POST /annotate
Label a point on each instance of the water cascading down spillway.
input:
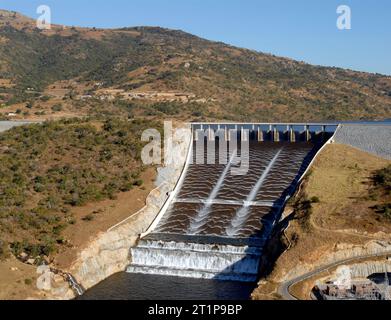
(218, 223)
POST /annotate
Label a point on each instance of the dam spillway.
(217, 224)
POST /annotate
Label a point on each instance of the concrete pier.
(308, 135)
(244, 134)
(211, 135)
(260, 135)
(228, 135)
(276, 135)
(273, 132)
(292, 135)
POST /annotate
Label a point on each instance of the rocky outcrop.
(365, 269)
(340, 252)
(53, 284)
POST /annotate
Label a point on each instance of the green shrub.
(88, 217)
(167, 108)
(59, 165)
(384, 210)
(30, 105)
(57, 108)
(138, 183)
(383, 178)
(45, 98)
(126, 187)
(315, 200)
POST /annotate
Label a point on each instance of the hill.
(49, 170)
(148, 71)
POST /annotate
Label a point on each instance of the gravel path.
(375, 139)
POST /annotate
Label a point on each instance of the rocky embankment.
(340, 252)
(109, 252)
(365, 269)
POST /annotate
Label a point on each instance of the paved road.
(283, 290)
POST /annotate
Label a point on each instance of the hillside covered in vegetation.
(48, 169)
(215, 80)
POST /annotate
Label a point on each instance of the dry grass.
(5, 83)
(341, 179)
(13, 274)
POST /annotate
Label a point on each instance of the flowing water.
(217, 225)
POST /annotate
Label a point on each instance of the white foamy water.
(226, 202)
(194, 260)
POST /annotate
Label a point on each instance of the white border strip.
(173, 193)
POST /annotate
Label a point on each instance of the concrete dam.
(218, 219)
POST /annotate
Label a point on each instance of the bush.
(167, 108)
(57, 108)
(88, 217)
(45, 98)
(383, 178)
(30, 105)
(384, 210)
(315, 200)
(127, 187)
(138, 183)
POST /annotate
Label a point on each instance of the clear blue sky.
(301, 29)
